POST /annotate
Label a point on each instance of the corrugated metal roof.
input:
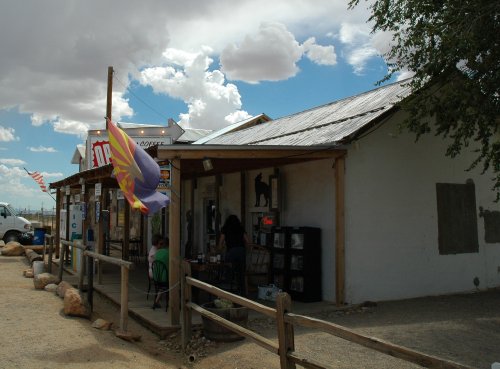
(192, 135)
(328, 124)
(233, 127)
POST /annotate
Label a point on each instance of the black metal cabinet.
(296, 261)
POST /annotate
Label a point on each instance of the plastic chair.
(258, 265)
(160, 279)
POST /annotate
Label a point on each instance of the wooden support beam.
(340, 231)
(126, 233)
(124, 299)
(57, 237)
(175, 242)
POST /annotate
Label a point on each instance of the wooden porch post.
(339, 231)
(175, 242)
(57, 237)
(126, 233)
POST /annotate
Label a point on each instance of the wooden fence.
(89, 262)
(285, 347)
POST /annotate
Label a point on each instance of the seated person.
(162, 255)
(156, 241)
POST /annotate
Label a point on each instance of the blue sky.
(203, 64)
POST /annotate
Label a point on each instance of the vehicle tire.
(11, 236)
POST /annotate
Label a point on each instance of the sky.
(205, 64)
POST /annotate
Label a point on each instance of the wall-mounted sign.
(119, 195)
(165, 177)
(98, 189)
(97, 211)
(77, 198)
(100, 152)
(68, 190)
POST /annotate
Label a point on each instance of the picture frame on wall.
(274, 192)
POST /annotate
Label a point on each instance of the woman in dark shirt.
(234, 237)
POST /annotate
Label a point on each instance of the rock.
(2, 244)
(127, 336)
(62, 288)
(74, 305)
(51, 287)
(13, 248)
(28, 273)
(43, 279)
(102, 324)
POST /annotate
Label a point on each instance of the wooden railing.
(89, 261)
(285, 347)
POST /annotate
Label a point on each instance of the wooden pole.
(339, 230)
(51, 248)
(186, 295)
(124, 299)
(90, 282)
(68, 226)
(285, 331)
(126, 233)
(175, 241)
(57, 237)
(109, 97)
(81, 273)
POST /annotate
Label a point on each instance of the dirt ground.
(36, 334)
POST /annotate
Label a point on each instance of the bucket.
(216, 332)
(38, 267)
(39, 236)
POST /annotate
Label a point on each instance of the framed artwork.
(274, 193)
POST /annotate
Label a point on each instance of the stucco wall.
(391, 219)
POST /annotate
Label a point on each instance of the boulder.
(75, 305)
(102, 324)
(2, 244)
(51, 287)
(43, 279)
(13, 248)
(28, 273)
(62, 288)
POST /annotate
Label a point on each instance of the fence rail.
(286, 321)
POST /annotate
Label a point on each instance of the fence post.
(51, 246)
(61, 262)
(90, 282)
(81, 273)
(124, 299)
(185, 310)
(285, 330)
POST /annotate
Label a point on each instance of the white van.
(12, 225)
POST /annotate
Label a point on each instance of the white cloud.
(8, 134)
(358, 47)
(42, 149)
(12, 162)
(212, 103)
(270, 55)
(322, 55)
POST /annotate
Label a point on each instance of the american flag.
(38, 179)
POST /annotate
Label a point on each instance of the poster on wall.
(98, 188)
(165, 177)
(97, 211)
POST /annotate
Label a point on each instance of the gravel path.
(36, 334)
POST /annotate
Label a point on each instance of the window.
(457, 220)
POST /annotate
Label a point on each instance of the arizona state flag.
(137, 173)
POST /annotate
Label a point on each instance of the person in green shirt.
(162, 255)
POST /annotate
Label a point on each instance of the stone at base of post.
(127, 335)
